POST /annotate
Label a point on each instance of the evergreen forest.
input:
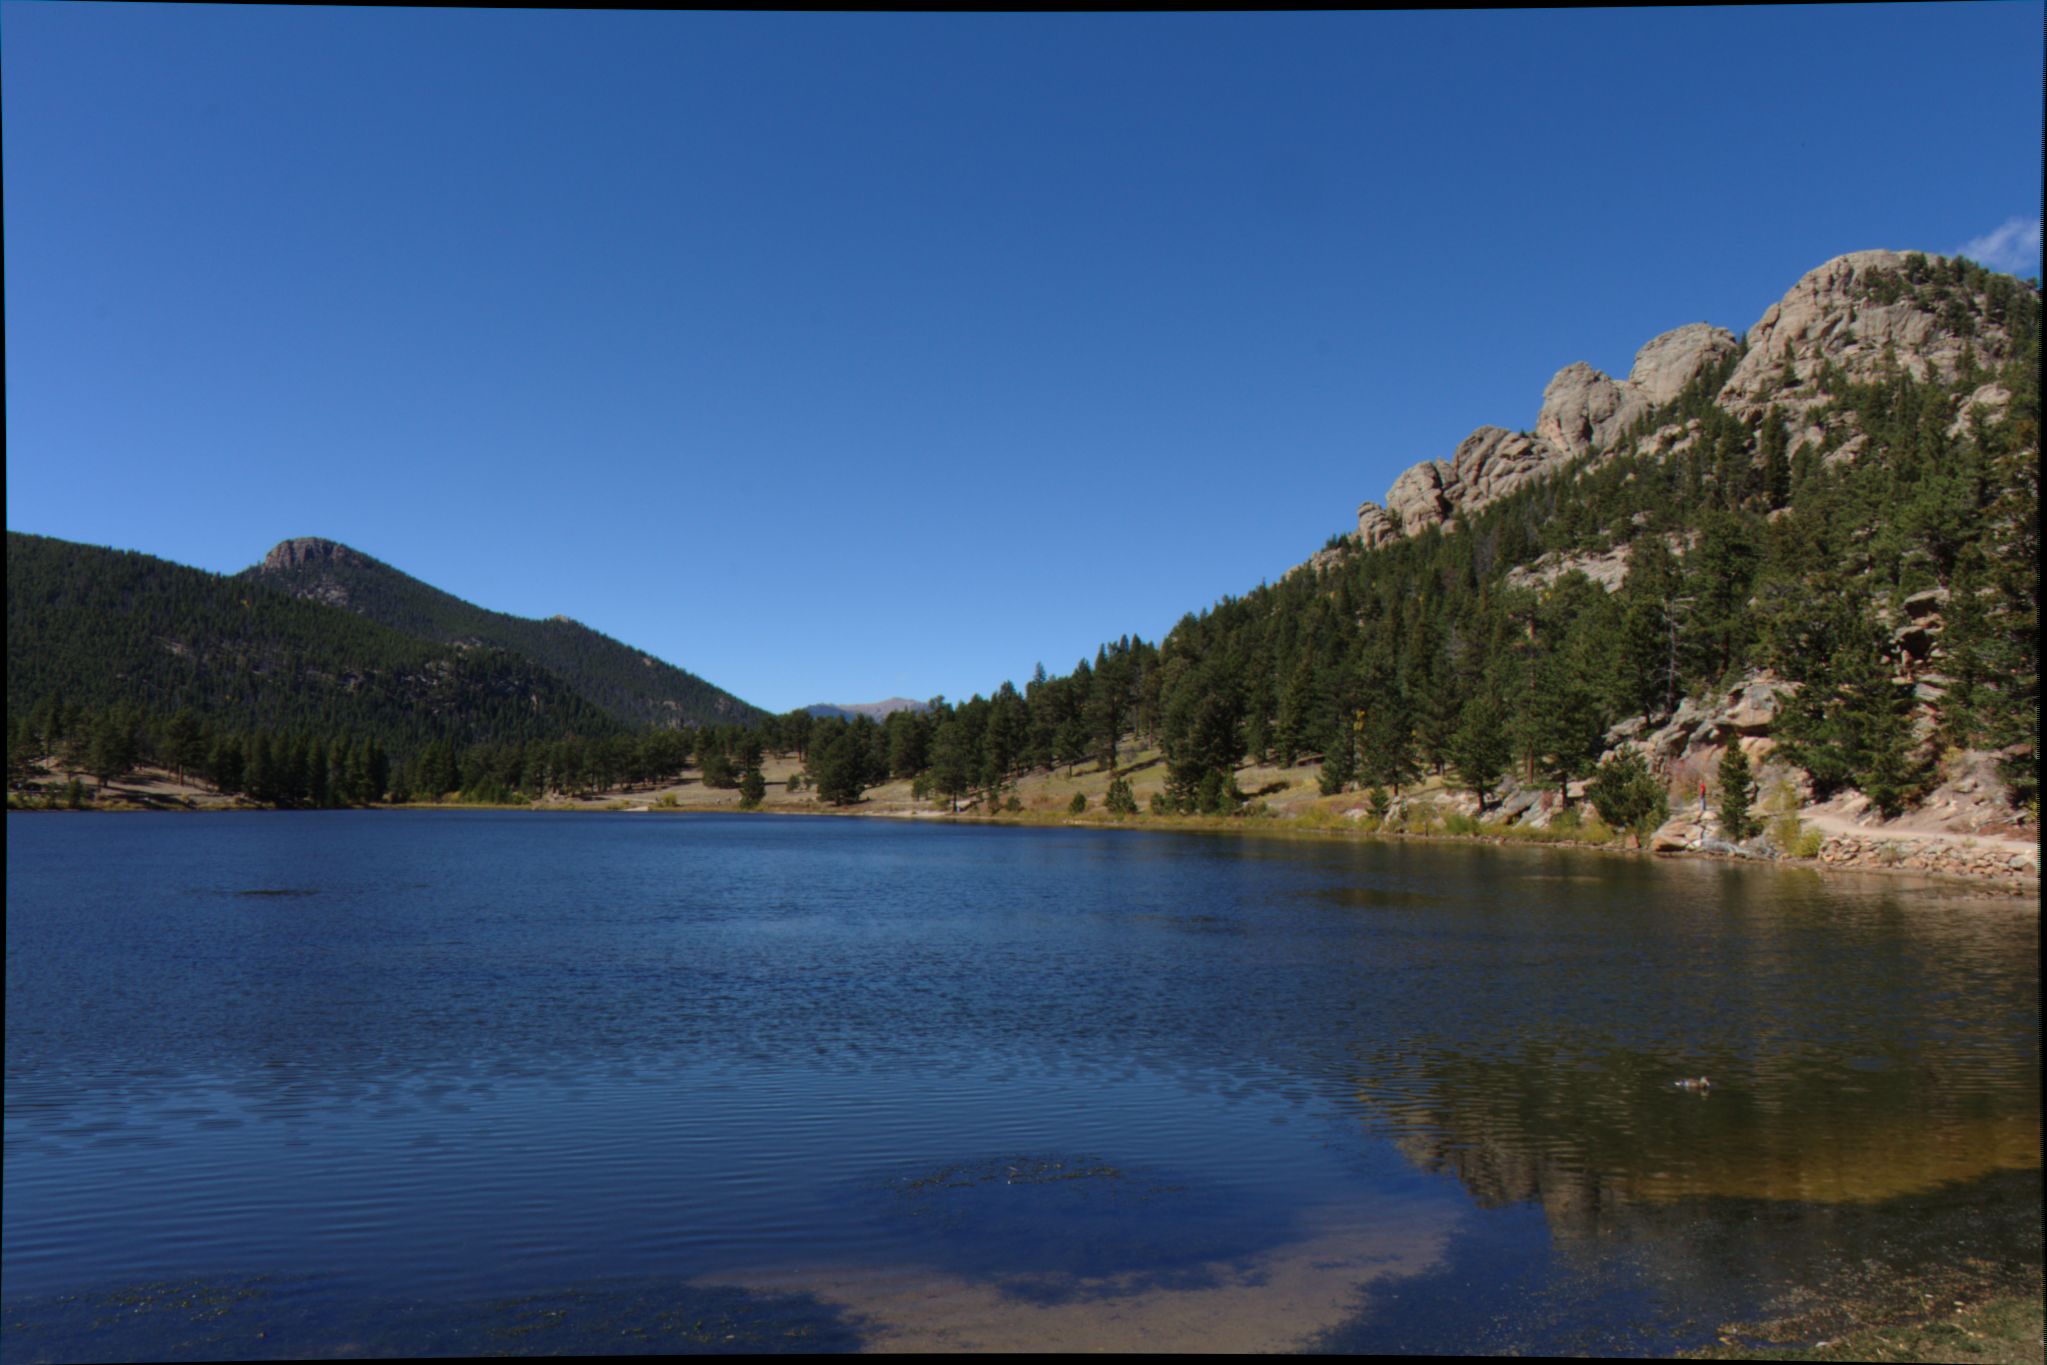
(1748, 553)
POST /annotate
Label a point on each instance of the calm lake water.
(465, 1082)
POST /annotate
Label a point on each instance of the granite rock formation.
(1583, 412)
(1857, 313)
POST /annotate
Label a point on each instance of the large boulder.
(1983, 407)
(1667, 363)
(1375, 526)
(1419, 498)
(1677, 833)
(1584, 410)
(1752, 707)
(1491, 463)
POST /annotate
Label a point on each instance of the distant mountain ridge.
(629, 684)
(873, 710)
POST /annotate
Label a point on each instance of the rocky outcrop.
(1491, 463)
(1986, 405)
(309, 552)
(315, 563)
(1609, 570)
(1852, 312)
(1583, 412)
(1742, 714)
(1675, 359)
(1325, 558)
(1420, 498)
(1376, 526)
(1857, 313)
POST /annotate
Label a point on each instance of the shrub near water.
(1319, 817)
(1627, 797)
(1421, 819)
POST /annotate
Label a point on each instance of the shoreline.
(2010, 883)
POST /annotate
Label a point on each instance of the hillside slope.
(1818, 543)
(1797, 568)
(98, 628)
(633, 687)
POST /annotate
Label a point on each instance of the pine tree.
(23, 753)
(1722, 573)
(1481, 749)
(184, 742)
(1737, 792)
(1120, 800)
(1339, 765)
(1879, 712)
(949, 759)
(1627, 797)
(113, 746)
(225, 765)
(1297, 701)
(1647, 675)
(1435, 720)
(838, 767)
(1776, 473)
(1386, 742)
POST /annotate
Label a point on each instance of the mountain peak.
(307, 551)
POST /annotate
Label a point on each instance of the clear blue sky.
(833, 357)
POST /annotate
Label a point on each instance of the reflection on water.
(904, 1086)
(1280, 1298)
(1864, 1043)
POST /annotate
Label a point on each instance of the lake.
(381, 1083)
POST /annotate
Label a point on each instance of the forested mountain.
(96, 628)
(1807, 556)
(282, 683)
(634, 687)
(1815, 548)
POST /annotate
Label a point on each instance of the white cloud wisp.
(2014, 246)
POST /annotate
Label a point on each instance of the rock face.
(1583, 413)
(1846, 314)
(1491, 463)
(1743, 715)
(309, 551)
(1584, 410)
(1858, 313)
(322, 558)
(1420, 497)
(1675, 359)
(1985, 405)
(1376, 527)
(1609, 570)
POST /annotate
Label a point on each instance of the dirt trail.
(1833, 822)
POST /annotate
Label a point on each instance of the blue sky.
(840, 356)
